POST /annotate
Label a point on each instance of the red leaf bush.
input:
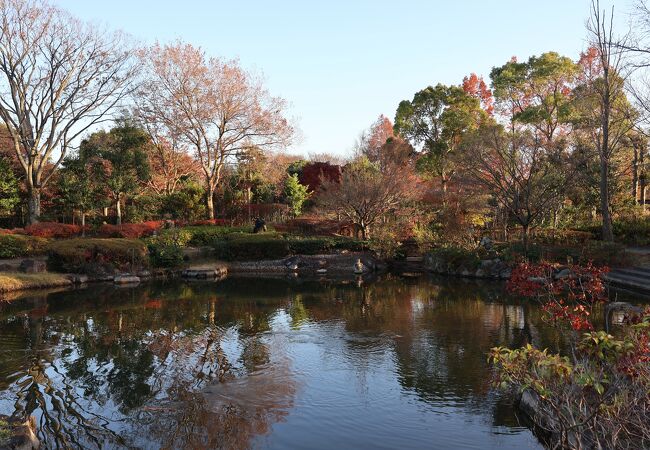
(52, 230)
(568, 299)
(130, 230)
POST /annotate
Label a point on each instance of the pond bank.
(336, 264)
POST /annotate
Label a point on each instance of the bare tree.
(212, 104)
(58, 77)
(364, 194)
(608, 117)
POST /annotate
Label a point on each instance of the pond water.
(267, 363)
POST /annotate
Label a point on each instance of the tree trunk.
(635, 175)
(118, 210)
(607, 234)
(524, 239)
(83, 223)
(34, 204)
(209, 202)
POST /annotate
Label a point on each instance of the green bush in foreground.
(17, 246)
(97, 256)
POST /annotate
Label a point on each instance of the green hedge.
(18, 246)
(271, 245)
(209, 235)
(457, 257)
(97, 256)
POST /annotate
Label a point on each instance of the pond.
(267, 363)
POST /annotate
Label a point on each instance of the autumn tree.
(58, 77)
(312, 174)
(476, 87)
(170, 162)
(371, 140)
(518, 170)
(364, 194)
(214, 105)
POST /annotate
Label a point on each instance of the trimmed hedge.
(18, 246)
(240, 246)
(97, 256)
(209, 235)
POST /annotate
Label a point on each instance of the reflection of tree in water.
(200, 366)
(137, 362)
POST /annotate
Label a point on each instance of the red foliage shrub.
(52, 230)
(312, 174)
(5, 231)
(567, 299)
(130, 230)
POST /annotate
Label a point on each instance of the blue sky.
(342, 63)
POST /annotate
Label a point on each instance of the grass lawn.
(14, 281)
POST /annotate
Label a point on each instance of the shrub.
(385, 243)
(252, 247)
(209, 235)
(166, 249)
(597, 395)
(457, 257)
(130, 230)
(17, 246)
(97, 256)
(52, 230)
(311, 245)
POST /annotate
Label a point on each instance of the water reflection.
(265, 363)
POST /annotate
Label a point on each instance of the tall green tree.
(295, 194)
(537, 93)
(78, 190)
(435, 120)
(119, 159)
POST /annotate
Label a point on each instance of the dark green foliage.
(187, 203)
(97, 256)
(9, 193)
(18, 246)
(457, 257)
(244, 247)
(166, 249)
(208, 235)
